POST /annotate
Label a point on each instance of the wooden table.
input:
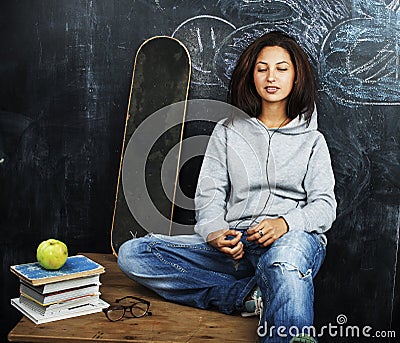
(169, 323)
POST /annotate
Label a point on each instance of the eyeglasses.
(138, 308)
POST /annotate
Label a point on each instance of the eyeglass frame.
(126, 307)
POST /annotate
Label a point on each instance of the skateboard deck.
(153, 128)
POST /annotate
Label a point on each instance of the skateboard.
(153, 133)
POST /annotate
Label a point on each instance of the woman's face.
(274, 75)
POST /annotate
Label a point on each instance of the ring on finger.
(260, 232)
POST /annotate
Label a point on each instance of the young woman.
(264, 198)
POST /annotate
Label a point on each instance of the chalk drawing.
(383, 9)
(360, 63)
(215, 43)
(394, 5)
(202, 35)
(253, 11)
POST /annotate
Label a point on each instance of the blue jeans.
(187, 270)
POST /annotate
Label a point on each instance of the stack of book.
(49, 295)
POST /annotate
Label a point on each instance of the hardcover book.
(60, 296)
(75, 267)
(74, 311)
(58, 308)
(62, 285)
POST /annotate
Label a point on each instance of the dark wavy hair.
(242, 91)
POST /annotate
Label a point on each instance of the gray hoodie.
(251, 172)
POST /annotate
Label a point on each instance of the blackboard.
(65, 78)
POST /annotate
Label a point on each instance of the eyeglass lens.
(139, 309)
(115, 313)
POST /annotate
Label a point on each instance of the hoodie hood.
(297, 125)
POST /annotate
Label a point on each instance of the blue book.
(75, 267)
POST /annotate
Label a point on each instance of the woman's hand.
(267, 231)
(228, 242)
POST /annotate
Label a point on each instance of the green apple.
(52, 254)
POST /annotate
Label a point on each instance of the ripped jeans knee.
(288, 267)
(299, 251)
